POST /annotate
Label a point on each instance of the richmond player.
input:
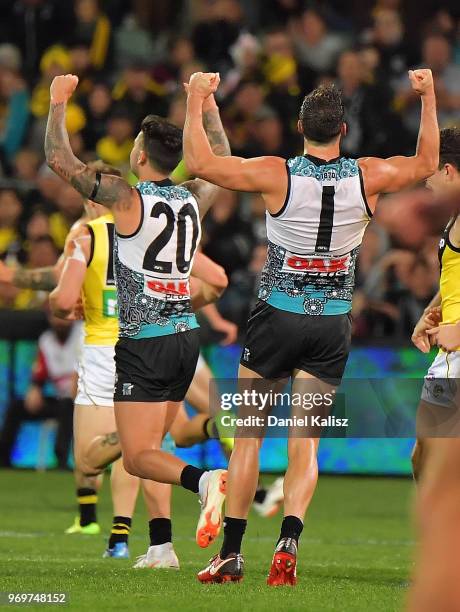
(439, 390)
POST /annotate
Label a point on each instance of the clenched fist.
(422, 81)
(63, 87)
(203, 83)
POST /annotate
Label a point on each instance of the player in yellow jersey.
(439, 390)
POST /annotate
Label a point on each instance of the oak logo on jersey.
(330, 266)
(168, 290)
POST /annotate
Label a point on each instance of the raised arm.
(111, 191)
(205, 191)
(266, 175)
(396, 173)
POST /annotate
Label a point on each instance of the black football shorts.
(279, 342)
(156, 369)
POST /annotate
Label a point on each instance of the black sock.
(121, 527)
(291, 527)
(234, 529)
(190, 477)
(160, 531)
(261, 494)
(87, 499)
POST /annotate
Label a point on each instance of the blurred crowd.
(132, 58)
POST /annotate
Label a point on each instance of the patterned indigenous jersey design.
(99, 291)
(314, 240)
(152, 266)
(449, 259)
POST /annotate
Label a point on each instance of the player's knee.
(132, 464)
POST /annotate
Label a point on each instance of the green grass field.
(355, 551)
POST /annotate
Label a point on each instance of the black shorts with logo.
(278, 342)
(156, 369)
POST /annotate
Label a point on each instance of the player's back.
(153, 264)
(99, 291)
(314, 239)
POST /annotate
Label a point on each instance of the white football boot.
(212, 497)
(273, 499)
(158, 557)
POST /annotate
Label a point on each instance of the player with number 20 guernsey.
(157, 232)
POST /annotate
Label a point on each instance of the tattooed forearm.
(59, 154)
(112, 190)
(40, 279)
(215, 132)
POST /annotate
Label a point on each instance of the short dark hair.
(321, 114)
(449, 149)
(162, 142)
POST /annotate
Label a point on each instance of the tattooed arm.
(38, 279)
(204, 191)
(112, 191)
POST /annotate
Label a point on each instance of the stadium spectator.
(216, 31)
(48, 185)
(55, 364)
(269, 138)
(115, 147)
(282, 76)
(96, 107)
(180, 52)
(177, 110)
(132, 42)
(33, 26)
(367, 111)
(93, 31)
(317, 47)
(139, 94)
(26, 165)
(387, 37)
(15, 116)
(69, 209)
(437, 55)
(38, 224)
(229, 237)
(10, 212)
(245, 53)
(240, 115)
(55, 61)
